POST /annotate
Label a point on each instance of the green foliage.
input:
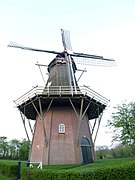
(118, 169)
(123, 151)
(3, 146)
(14, 149)
(5, 177)
(24, 150)
(102, 152)
(123, 122)
(9, 170)
(125, 172)
(120, 151)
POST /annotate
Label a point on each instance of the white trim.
(61, 128)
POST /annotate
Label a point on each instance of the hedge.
(126, 172)
(9, 170)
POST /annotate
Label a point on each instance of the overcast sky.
(97, 27)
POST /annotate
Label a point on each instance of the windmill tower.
(62, 111)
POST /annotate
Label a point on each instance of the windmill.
(62, 110)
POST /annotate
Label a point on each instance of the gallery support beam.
(79, 115)
(23, 120)
(99, 121)
(30, 126)
(41, 116)
(42, 119)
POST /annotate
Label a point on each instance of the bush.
(35, 174)
(8, 170)
(118, 172)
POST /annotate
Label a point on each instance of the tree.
(14, 148)
(14, 145)
(24, 149)
(102, 152)
(3, 146)
(123, 123)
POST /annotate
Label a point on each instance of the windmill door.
(86, 151)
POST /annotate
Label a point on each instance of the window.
(61, 128)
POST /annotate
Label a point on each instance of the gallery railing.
(60, 91)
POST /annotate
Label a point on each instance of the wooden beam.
(79, 116)
(74, 108)
(23, 120)
(94, 126)
(30, 126)
(86, 109)
(80, 119)
(98, 127)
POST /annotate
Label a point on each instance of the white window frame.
(61, 128)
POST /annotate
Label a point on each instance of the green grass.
(61, 167)
(98, 164)
(107, 163)
(14, 162)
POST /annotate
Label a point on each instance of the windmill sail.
(63, 67)
(66, 40)
(94, 62)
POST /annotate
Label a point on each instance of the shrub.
(8, 170)
(118, 172)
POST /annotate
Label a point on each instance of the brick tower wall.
(61, 148)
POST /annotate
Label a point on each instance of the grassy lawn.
(97, 165)
(110, 163)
